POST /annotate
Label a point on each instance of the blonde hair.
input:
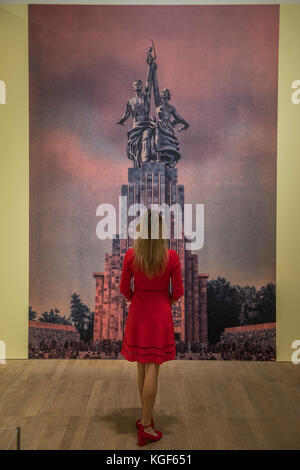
(151, 254)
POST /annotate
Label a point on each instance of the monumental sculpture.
(152, 138)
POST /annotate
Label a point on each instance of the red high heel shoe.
(138, 422)
(143, 435)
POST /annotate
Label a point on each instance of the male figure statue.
(139, 145)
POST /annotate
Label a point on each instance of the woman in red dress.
(149, 332)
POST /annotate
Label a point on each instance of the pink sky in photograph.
(220, 64)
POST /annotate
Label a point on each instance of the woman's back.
(158, 283)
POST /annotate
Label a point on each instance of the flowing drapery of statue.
(152, 138)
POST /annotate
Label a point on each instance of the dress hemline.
(146, 361)
(136, 357)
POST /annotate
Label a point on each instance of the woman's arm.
(155, 85)
(176, 277)
(179, 120)
(125, 284)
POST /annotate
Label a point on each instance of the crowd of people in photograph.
(58, 344)
(249, 345)
(53, 344)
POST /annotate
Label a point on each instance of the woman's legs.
(141, 378)
(149, 392)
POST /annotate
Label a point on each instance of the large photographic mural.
(141, 105)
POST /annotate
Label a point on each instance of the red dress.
(149, 331)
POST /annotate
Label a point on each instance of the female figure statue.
(166, 142)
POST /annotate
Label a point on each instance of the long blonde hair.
(151, 254)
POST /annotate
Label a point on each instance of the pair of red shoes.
(143, 435)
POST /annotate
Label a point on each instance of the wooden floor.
(93, 404)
